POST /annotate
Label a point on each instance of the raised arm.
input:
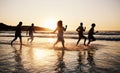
(65, 28)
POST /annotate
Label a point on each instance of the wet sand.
(41, 57)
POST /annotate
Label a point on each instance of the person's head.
(32, 24)
(81, 24)
(93, 25)
(59, 23)
(20, 23)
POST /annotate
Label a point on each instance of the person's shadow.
(19, 68)
(60, 65)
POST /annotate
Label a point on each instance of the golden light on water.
(40, 54)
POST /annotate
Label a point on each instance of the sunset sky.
(46, 13)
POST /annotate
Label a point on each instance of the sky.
(45, 13)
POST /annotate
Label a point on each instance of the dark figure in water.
(18, 33)
(60, 30)
(91, 33)
(61, 67)
(80, 30)
(30, 31)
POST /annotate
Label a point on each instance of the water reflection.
(30, 55)
(91, 61)
(19, 68)
(79, 66)
(60, 62)
(86, 61)
(39, 59)
(90, 57)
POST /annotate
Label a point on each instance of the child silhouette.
(80, 30)
(60, 30)
(91, 33)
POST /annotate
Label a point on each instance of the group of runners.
(60, 29)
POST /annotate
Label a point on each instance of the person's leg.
(13, 40)
(89, 40)
(78, 40)
(55, 43)
(63, 53)
(31, 39)
(63, 43)
(93, 38)
(20, 37)
(28, 39)
(84, 39)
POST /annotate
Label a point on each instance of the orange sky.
(46, 13)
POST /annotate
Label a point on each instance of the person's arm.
(65, 28)
(84, 28)
(95, 32)
(78, 29)
(55, 30)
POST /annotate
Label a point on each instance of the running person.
(80, 30)
(60, 30)
(18, 33)
(30, 31)
(91, 33)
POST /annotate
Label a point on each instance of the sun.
(51, 24)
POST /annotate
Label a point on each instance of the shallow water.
(41, 57)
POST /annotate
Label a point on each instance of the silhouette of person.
(80, 30)
(30, 31)
(60, 30)
(91, 33)
(18, 33)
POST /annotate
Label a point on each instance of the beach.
(60, 36)
(100, 56)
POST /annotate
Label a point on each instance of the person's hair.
(59, 23)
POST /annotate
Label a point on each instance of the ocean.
(101, 35)
(101, 56)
